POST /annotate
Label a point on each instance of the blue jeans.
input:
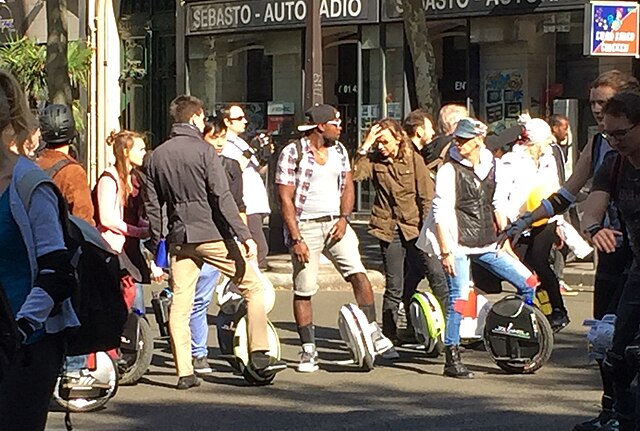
(205, 287)
(500, 264)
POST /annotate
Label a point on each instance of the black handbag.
(9, 338)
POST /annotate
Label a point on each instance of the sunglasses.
(617, 135)
(336, 123)
(240, 118)
(461, 142)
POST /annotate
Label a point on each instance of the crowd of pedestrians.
(445, 203)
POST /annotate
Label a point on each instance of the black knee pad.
(614, 365)
(632, 354)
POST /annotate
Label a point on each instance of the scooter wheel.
(141, 360)
(250, 378)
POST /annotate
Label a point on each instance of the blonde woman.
(528, 174)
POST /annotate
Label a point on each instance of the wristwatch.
(347, 217)
(296, 241)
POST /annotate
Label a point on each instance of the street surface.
(408, 394)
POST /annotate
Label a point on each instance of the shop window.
(394, 71)
(261, 71)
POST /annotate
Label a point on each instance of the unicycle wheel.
(536, 361)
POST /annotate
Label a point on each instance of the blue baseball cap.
(469, 128)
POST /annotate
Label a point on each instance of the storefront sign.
(614, 28)
(217, 17)
(392, 9)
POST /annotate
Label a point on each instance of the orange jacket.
(72, 181)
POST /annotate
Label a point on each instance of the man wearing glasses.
(611, 270)
(317, 196)
(618, 181)
(254, 192)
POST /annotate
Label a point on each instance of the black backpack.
(98, 301)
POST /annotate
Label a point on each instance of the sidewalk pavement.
(577, 275)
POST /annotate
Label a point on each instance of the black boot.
(453, 366)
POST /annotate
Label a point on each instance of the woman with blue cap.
(462, 228)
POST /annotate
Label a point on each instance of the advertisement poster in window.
(614, 28)
(280, 118)
(368, 115)
(503, 98)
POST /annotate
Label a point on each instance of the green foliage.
(79, 62)
(26, 60)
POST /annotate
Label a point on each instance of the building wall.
(29, 17)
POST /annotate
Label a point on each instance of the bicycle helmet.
(57, 125)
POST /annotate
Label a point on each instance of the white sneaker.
(566, 290)
(380, 343)
(308, 359)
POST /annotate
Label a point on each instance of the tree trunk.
(424, 67)
(57, 69)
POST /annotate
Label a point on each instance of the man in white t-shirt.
(317, 196)
(254, 192)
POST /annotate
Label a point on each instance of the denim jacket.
(42, 234)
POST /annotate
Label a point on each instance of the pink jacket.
(112, 226)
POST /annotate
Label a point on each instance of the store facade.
(253, 52)
(500, 57)
(505, 57)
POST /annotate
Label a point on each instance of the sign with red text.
(614, 28)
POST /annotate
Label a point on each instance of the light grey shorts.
(344, 255)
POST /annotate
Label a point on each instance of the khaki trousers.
(186, 261)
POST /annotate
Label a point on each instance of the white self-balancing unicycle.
(231, 325)
(355, 331)
(87, 383)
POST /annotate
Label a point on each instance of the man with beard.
(317, 196)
